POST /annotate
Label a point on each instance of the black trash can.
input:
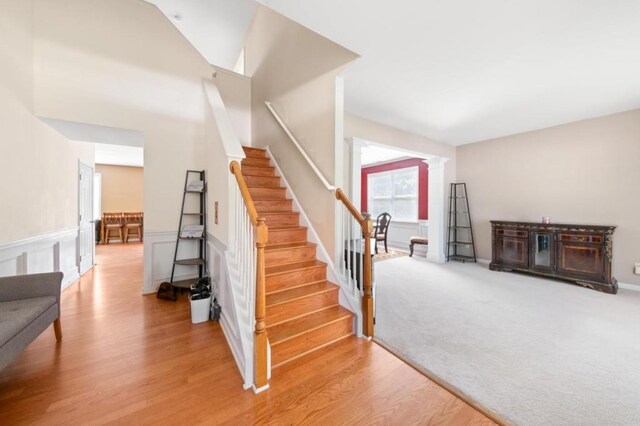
(98, 226)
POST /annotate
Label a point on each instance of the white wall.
(38, 166)
(355, 126)
(235, 93)
(121, 63)
(296, 69)
(586, 172)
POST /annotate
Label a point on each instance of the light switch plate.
(636, 270)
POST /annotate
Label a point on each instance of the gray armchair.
(28, 305)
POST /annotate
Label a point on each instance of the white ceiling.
(119, 155)
(374, 154)
(216, 28)
(455, 71)
(77, 131)
(465, 70)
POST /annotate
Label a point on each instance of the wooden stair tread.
(256, 162)
(290, 246)
(276, 363)
(272, 206)
(288, 330)
(256, 166)
(286, 228)
(252, 186)
(250, 171)
(289, 294)
(281, 213)
(290, 267)
(263, 178)
(254, 152)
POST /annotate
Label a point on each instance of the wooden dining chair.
(133, 223)
(112, 223)
(381, 230)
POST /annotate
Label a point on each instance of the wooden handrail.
(260, 338)
(234, 166)
(341, 196)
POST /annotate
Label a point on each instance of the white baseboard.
(258, 390)
(50, 252)
(627, 286)
(73, 277)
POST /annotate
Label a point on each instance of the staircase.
(303, 312)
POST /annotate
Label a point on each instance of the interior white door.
(86, 240)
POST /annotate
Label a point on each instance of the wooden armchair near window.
(133, 224)
(112, 223)
(380, 231)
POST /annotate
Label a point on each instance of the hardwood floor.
(132, 359)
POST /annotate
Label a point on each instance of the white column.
(338, 176)
(355, 170)
(437, 215)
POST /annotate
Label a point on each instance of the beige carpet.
(535, 351)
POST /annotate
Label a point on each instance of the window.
(395, 192)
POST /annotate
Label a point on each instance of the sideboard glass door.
(542, 249)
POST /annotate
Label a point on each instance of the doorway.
(86, 236)
(419, 214)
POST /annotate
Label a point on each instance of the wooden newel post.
(260, 334)
(367, 299)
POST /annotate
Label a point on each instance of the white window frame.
(370, 196)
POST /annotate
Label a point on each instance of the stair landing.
(303, 312)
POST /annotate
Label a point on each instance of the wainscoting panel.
(11, 266)
(41, 259)
(159, 247)
(401, 232)
(56, 251)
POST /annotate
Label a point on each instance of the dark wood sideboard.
(577, 253)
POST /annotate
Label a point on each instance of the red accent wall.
(423, 182)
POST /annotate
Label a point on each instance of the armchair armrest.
(31, 285)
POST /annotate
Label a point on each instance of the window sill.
(405, 222)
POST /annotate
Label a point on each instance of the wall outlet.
(636, 270)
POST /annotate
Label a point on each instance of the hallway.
(133, 359)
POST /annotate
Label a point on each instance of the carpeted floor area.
(534, 351)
